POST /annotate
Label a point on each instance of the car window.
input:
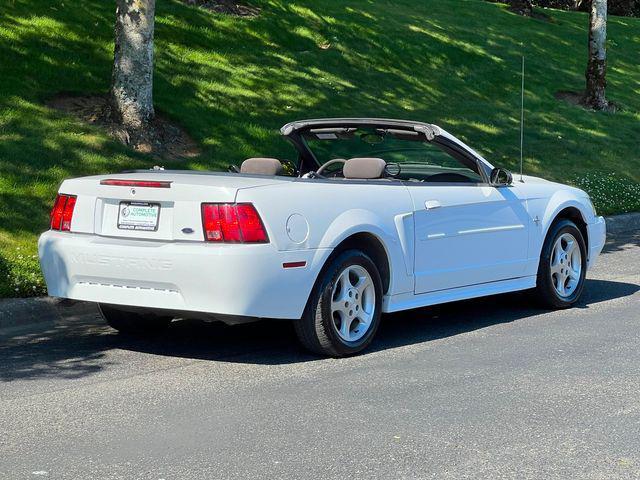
(419, 161)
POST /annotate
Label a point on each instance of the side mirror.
(501, 177)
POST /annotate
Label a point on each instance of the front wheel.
(133, 323)
(563, 266)
(344, 309)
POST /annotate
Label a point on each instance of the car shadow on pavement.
(82, 346)
(456, 318)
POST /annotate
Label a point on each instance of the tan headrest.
(261, 166)
(364, 168)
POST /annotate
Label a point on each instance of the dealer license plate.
(139, 216)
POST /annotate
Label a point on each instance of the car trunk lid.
(152, 205)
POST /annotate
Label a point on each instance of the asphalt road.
(480, 389)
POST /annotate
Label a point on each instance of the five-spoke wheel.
(562, 267)
(566, 265)
(353, 303)
(343, 311)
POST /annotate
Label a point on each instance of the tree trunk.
(597, 65)
(131, 98)
(522, 7)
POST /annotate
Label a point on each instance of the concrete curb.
(26, 315)
(20, 314)
(17, 314)
(627, 222)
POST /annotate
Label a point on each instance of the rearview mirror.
(501, 177)
(372, 138)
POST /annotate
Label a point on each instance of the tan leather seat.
(261, 166)
(364, 168)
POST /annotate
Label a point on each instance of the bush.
(20, 273)
(610, 192)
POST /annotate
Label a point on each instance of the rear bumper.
(238, 280)
(597, 232)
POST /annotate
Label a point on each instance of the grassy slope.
(231, 83)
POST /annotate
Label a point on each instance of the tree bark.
(597, 64)
(131, 97)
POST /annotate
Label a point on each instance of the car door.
(467, 234)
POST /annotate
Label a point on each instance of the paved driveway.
(480, 389)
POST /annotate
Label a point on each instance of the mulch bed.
(229, 7)
(162, 139)
(577, 98)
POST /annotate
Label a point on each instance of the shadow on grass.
(78, 348)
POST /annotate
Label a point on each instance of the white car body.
(441, 243)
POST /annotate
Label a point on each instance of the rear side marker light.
(135, 183)
(62, 212)
(232, 223)
(294, 264)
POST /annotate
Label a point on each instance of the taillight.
(56, 212)
(67, 213)
(232, 223)
(62, 212)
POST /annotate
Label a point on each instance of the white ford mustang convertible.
(374, 216)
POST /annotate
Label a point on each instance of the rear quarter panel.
(334, 210)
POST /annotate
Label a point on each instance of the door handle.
(432, 204)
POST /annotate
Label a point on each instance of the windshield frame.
(295, 132)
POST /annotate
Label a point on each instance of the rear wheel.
(134, 323)
(343, 311)
(563, 266)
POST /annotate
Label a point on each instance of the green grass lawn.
(231, 83)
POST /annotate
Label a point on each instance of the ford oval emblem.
(187, 230)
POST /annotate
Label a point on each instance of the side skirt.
(407, 301)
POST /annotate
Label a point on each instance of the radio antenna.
(522, 122)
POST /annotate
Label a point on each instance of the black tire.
(134, 323)
(545, 290)
(317, 330)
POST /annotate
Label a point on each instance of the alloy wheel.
(566, 265)
(353, 302)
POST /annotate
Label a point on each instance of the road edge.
(20, 316)
(624, 223)
(17, 314)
